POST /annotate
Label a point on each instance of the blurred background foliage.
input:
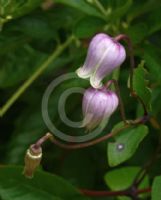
(30, 32)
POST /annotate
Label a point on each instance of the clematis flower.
(98, 105)
(104, 55)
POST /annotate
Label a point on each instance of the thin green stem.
(35, 75)
(100, 7)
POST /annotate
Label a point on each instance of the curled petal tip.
(82, 73)
(95, 82)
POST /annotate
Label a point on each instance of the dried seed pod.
(32, 160)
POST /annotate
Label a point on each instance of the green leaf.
(126, 144)
(19, 65)
(88, 26)
(156, 188)
(29, 126)
(121, 10)
(23, 136)
(140, 86)
(81, 5)
(37, 27)
(137, 32)
(153, 20)
(16, 8)
(152, 61)
(43, 186)
(122, 178)
(141, 8)
(78, 172)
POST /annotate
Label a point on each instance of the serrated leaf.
(126, 144)
(140, 86)
(122, 178)
(156, 188)
(43, 186)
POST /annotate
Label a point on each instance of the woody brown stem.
(127, 192)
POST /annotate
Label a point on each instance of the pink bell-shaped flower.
(104, 55)
(98, 105)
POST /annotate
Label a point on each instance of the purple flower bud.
(104, 55)
(98, 105)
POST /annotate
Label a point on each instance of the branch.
(132, 66)
(92, 193)
(34, 76)
(131, 53)
(121, 105)
(34, 153)
(57, 142)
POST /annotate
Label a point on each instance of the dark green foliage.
(29, 34)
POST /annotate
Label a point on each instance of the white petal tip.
(95, 83)
(81, 73)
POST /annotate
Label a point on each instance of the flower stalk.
(132, 66)
(121, 105)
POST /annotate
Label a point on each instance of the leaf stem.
(100, 7)
(121, 105)
(150, 163)
(131, 54)
(34, 76)
(49, 136)
(86, 144)
(132, 66)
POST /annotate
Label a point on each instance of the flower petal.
(98, 105)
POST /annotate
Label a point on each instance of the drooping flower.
(104, 55)
(98, 105)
